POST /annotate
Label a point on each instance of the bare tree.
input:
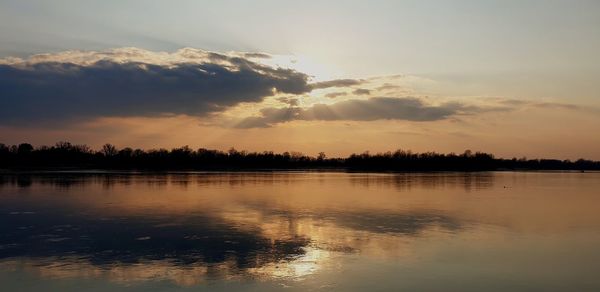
(109, 150)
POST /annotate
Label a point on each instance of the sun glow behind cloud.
(317, 69)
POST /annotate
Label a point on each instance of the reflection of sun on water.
(303, 265)
(161, 270)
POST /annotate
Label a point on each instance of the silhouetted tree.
(321, 156)
(24, 148)
(109, 150)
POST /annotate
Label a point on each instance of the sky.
(515, 78)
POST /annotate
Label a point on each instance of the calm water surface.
(300, 231)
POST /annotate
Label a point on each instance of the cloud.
(388, 86)
(257, 55)
(523, 103)
(133, 82)
(336, 83)
(289, 100)
(335, 94)
(376, 108)
(557, 105)
(361, 91)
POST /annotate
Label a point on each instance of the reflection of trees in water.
(157, 180)
(407, 181)
(401, 181)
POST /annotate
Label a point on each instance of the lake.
(300, 231)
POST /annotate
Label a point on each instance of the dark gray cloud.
(336, 83)
(257, 55)
(289, 100)
(376, 108)
(36, 93)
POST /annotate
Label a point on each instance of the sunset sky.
(513, 78)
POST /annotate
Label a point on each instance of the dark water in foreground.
(296, 231)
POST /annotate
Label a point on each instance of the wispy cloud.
(335, 94)
(361, 91)
(376, 108)
(336, 83)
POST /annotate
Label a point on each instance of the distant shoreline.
(65, 156)
(91, 171)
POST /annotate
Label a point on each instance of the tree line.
(64, 155)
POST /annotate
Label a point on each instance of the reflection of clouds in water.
(197, 238)
(131, 241)
(132, 248)
(261, 254)
(346, 231)
(73, 267)
(166, 270)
